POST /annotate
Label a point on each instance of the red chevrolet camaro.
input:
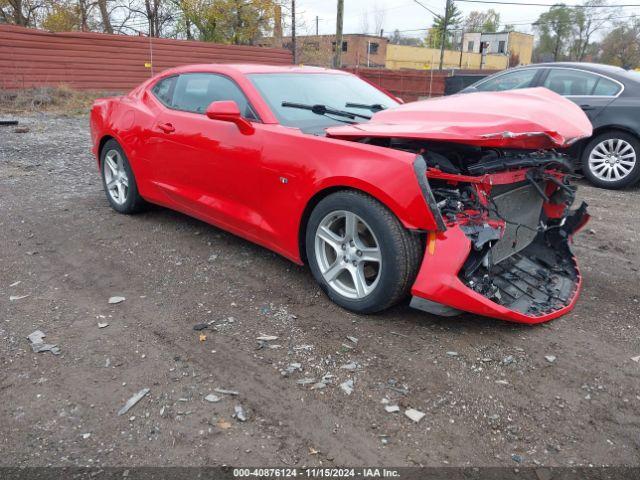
(461, 202)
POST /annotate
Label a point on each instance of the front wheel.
(359, 253)
(610, 160)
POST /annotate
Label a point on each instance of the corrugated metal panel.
(410, 85)
(95, 61)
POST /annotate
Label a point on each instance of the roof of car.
(247, 68)
(596, 67)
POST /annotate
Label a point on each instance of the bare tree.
(106, 16)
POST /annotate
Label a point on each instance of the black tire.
(590, 172)
(134, 203)
(400, 250)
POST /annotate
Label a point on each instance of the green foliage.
(485, 22)
(229, 21)
(454, 19)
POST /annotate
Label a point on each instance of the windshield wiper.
(374, 107)
(324, 110)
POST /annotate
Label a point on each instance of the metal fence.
(96, 61)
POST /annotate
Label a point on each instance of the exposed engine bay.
(514, 207)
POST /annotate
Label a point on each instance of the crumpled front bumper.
(534, 285)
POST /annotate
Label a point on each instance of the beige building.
(419, 58)
(357, 50)
(499, 51)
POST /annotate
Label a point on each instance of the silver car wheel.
(348, 254)
(115, 176)
(612, 160)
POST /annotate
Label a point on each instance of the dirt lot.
(497, 402)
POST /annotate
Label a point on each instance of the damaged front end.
(502, 245)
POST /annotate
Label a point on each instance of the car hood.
(532, 118)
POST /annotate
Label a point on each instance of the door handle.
(587, 107)
(166, 127)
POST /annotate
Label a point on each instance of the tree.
(21, 12)
(586, 22)
(622, 45)
(397, 39)
(554, 32)
(486, 22)
(434, 36)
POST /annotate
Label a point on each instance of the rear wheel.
(611, 160)
(359, 253)
(117, 178)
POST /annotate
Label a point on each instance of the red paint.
(533, 118)
(256, 179)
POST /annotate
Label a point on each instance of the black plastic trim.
(420, 169)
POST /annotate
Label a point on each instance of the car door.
(591, 91)
(208, 168)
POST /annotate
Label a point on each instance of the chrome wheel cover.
(612, 160)
(115, 177)
(348, 254)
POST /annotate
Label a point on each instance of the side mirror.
(228, 111)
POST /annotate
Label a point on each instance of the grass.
(60, 99)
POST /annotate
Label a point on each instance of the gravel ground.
(496, 402)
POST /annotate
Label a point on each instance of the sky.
(408, 15)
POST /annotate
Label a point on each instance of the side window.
(195, 91)
(606, 88)
(163, 90)
(509, 81)
(571, 82)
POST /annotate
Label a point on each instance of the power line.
(427, 8)
(547, 4)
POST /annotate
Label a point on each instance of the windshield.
(332, 90)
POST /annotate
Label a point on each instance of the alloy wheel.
(348, 254)
(115, 177)
(612, 160)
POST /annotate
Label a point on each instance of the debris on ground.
(132, 401)
(508, 360)
(266, 338)
(13, 298)
(391, 408)
(347, 386)
(202, 337)
(502, 382)
(200, 326)
(415, 415)
(86, 435)
(213, 257)
(115, 300)
(452, 354)
(239, 414)
(392, 384)
(223, 424)
(21, 130)
(8, 123)
(292, 367)
(226, 392)
(212, 398)
(636, 359)
(37, 343)
(516, 458)
(352, 339)
(103, 325)
(350, 366)
(15, 284)
(550, 358)
(306, 381)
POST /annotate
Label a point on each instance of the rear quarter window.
(163, 90)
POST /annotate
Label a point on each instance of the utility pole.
(317, 21)
(447, 8)
(293, 31)
(337, 59)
